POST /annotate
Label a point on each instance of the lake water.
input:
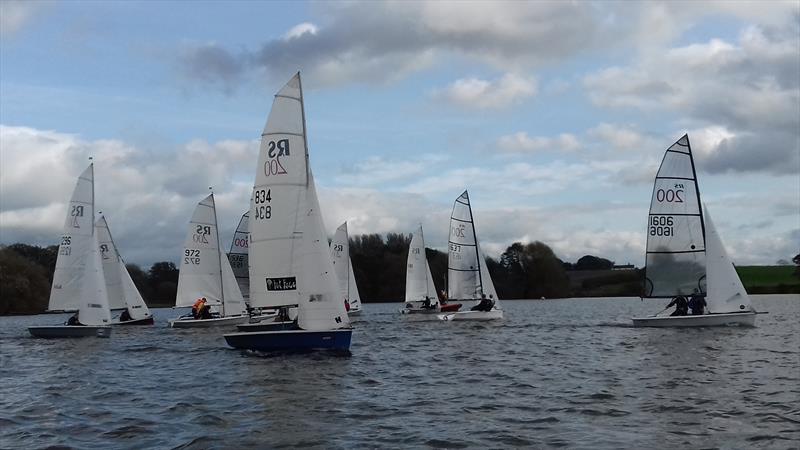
(557, 373)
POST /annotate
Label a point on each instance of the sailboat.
(685, 254)
(289, 254)
(421, 296)
(467, 275)
(239, 255)
(206, 273)
(122, 292)
(78, 282)
(340, 254)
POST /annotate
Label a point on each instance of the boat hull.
(145, 321)
(746, 319)
(207, 323)
(70, 331)
(291, 340)
(354, 312)
(494, 314)
(267, 326)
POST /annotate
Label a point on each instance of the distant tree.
(24, 287)
(531, 271)
(139, 278)
(796, 261)
(163, 281)
(43, 256)
(590, 262)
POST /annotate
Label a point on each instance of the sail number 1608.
(262, 210)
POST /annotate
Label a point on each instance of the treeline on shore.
(523, 271)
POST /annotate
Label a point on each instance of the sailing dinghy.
(289, 254)
(239, 254)
(205, 272)
(122, 292)
(468, 277)
(78, 282)
(340, 254)
(685, 254)
(421, 297)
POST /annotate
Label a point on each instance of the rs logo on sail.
(201, 233)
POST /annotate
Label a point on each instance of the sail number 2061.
(262, 210)
(661, 226)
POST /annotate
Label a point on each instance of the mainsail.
(278, 203)
(93, 305)
(122, 292)
(464, 277)
(75, 247)
(203, 270)
(676, 248)
(419, 282)
(239, 255)
(726, 293)
(340, 255)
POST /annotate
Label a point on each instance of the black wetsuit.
(681, 307)
(697, 303)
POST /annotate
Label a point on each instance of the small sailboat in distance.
(343, 264)
(205, 273)
(685, 255)
(78, 282)
(467, 275)
(239, 255)
(421, 296)
(122, 292)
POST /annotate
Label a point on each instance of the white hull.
(420, 311)
(473, 315)
(354, 312)
(206, 323)
(747, 319)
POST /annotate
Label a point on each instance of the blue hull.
(291, 340)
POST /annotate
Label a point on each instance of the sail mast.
(219, 254)
(696, 190)
(475, 238)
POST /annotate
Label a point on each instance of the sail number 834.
(662, 226)
(262, 208)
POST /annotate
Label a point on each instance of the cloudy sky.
(555, 116)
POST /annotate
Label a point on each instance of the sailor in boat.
(198, 304)
(73, 320)
(203, 311)
(485, 304)
(125, 316)
(426, 304)
(681, 306)
(697, 303)
(346, 305)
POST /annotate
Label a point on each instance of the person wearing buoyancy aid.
(197, 306)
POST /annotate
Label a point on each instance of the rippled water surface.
(557, 373)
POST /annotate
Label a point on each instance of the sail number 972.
(262, 209)
(191, 256)
(662, 226)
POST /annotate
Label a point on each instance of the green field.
(762, 279)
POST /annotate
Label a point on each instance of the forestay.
(75, 247)
(278, 203)
(725, 291)
(676, 257)
(463, 266)
(419, 282)
(122, 292)
(239, 255)
(321, 304)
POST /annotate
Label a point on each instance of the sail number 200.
(262, 209)
(669, 195)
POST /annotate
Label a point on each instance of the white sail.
(240, 253)
(343, 264)
(321, 305)
(726, 293)
(137, 308)
(204, 271)
(676, 257)
(463, 265)
(355, 297)
(488, 284)
(419, 282)
(93, 307)
(278, 203)
(110, 258)
(75, 246)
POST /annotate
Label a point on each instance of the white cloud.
(511, 89)
(15, 14)
(299, 30)
(619, 137)
(520, 142)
